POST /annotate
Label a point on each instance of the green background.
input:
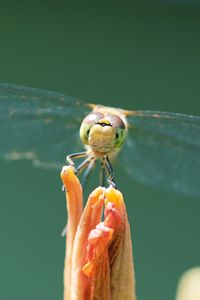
(137, 54)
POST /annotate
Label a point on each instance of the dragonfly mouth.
(104, 122)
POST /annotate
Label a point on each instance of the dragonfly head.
(103, 133)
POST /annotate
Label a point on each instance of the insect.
(103, 132)
(157, 148)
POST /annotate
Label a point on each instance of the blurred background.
(138, 55)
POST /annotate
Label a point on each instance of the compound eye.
(93, 118)
(115, 121)
(120, 136)
(89, 121)
(119, 129)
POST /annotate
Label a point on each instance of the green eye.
(87, 124)
(120, 136)
(84, 132)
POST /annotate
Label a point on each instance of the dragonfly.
(159, 149)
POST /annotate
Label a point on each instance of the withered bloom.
(98, 261)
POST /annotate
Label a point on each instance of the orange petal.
(74, 207)
(120, 252)
(90, 218)
(108, 251)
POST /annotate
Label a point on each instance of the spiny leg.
(70, 157)
(110, 172)
(102, 173)
(84, 164)
(88, 171)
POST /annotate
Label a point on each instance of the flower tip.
(114, 196)
(66, 170)
(67, 174)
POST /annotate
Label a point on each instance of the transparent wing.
(39, 125)
(163, 150)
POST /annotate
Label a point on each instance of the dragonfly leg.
(84, 164)
(102, 173)
(88, 172)
(69, 159)
(110, 172)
